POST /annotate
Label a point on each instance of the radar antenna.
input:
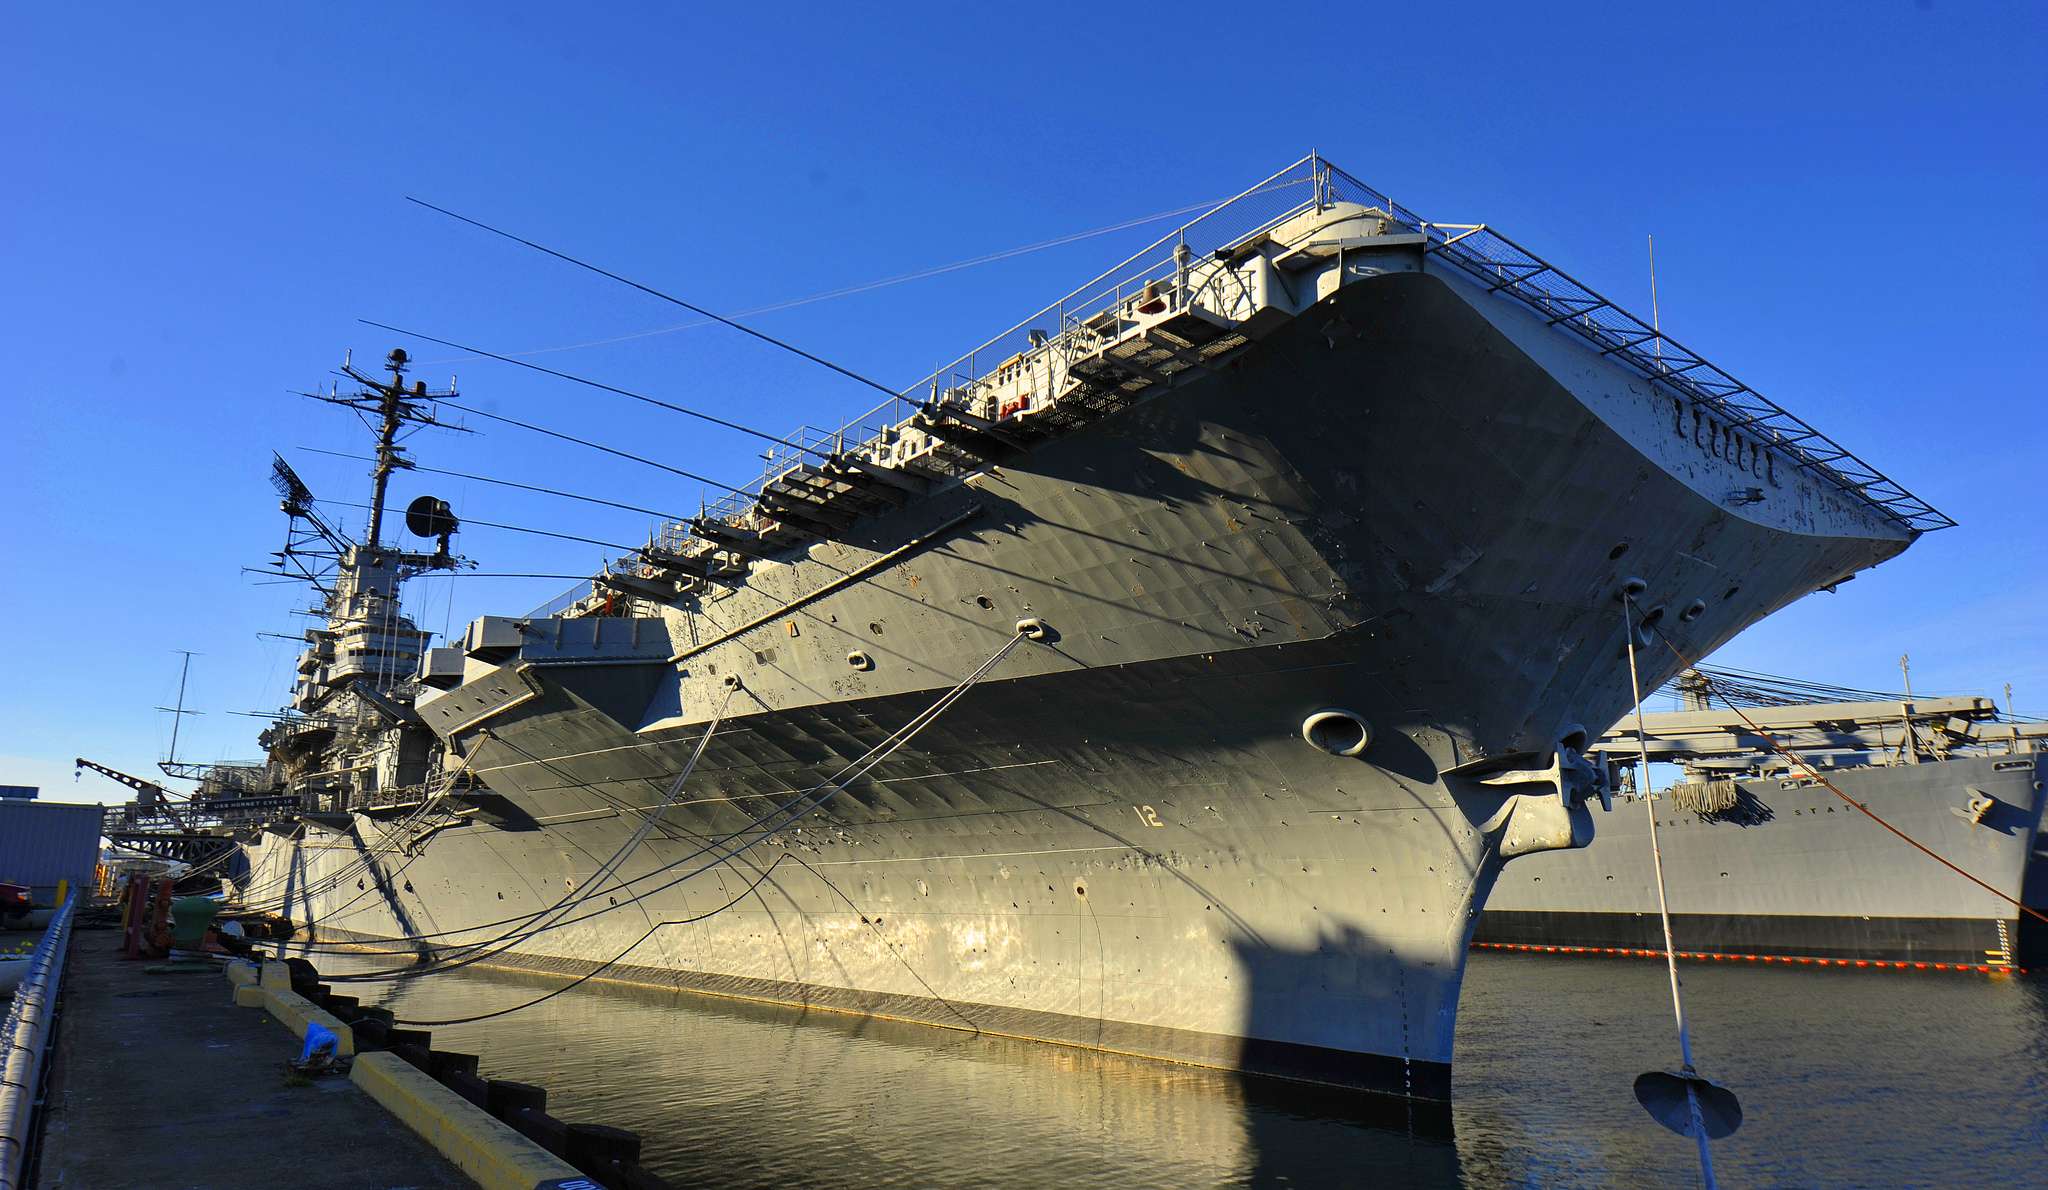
(394, 405)
(308, 535)
(314, 546)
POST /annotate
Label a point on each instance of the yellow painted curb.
(481, 1145)
(296, 1012)
(242, 973)
(277, 975)
(249, 996)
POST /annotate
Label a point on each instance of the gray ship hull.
(1414, 502)
(1816, 879)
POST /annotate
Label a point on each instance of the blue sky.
(196, 208)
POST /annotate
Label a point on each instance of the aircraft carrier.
(1762, 859)
(1173, 674)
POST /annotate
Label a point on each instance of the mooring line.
(1692, 1099)
(791, 811)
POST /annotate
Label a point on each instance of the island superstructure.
(1173, 674)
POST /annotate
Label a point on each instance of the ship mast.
(178, 713)
(394, 406)
(335, 744)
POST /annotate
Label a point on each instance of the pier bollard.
(134, 912)
(157, 941)
(505, 1097)
(540, 1128)
(442, 1063)
(598, 1149)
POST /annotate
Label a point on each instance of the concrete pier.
(162, 1083)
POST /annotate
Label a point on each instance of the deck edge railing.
(1502, 265)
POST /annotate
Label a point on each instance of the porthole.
(1620, 548)
(1338, 732)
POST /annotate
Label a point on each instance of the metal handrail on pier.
(24, 1044)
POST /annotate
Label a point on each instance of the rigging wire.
(273, 894)
(398, 828)
(666, 297)
(392, 840)
(1762, 689)
(527, 425)
(592, 788)
(260, 898)
(466, 954)
(597, 384)
(609, 963)
(788, 812)
(468, 521)
(592, 884)
(673, 516)
(1699, 1126)
(750, 890)
(624, 808)
(882, 283)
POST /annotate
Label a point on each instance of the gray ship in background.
(1762, 860)
(1173, 675)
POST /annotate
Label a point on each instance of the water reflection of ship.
(894, 1103)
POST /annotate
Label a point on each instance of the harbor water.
(1847, 1078)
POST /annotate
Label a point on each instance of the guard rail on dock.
(25, 1043)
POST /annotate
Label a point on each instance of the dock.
(162, 1081)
